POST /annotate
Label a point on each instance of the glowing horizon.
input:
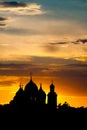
(8, 93)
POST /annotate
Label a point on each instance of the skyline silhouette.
(37, 93)
(31, 94)
(29, 109)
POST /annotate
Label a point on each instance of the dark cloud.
(82, 40)
(78, 41)
(77, 65)
(15, 68)
(21, 8)
(2, 24)
(27, 60)
(36, 65)
(39, 65)
(75, 42)
(9, 71)
(74, 72)
(51, 47)
(22, 69)
(12, 4)
(56, 43)
(3, 19)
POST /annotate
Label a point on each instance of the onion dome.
(41, 93)
(31, 88)
(19, 96)
(52, 87)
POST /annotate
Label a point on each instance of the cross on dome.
(30, 75)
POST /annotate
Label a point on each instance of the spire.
(30, 75)
(40, 85)
(52, 81)
(20, 85)
(52, 87)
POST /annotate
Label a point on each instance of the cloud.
(81, 58)
(12, 4)
(14, 69)
(13, 66)
(78, 41)
(3, 19)
(7, 82)
(21, 8)
(82, 40)
(37, 65)
(69, 73)
(55, 43)
(50, 48)
(78, 65)
(2, 25)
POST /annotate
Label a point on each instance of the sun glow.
(11, 85)
(74, 101)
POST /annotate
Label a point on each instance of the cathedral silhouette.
(32, 96)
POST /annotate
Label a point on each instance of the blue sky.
(75, 10)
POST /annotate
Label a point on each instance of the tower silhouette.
(52, 97)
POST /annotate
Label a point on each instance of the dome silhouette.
(41, 95)
(19, 96)
(31, 88)
(31, 92)
(41, 92)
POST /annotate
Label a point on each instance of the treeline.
(60, 109)
(41, 117)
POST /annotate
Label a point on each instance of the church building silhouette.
(31, 96)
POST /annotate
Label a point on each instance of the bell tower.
(52, 97)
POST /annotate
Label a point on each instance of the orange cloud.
(81, 58)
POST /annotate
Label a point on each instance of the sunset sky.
(49, 39)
